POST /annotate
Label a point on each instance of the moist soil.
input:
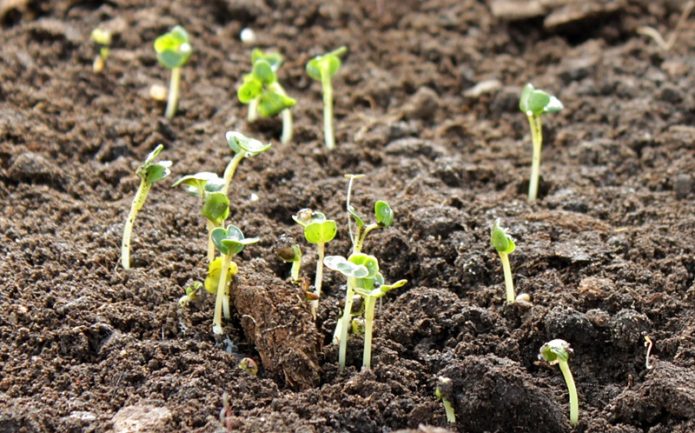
(606, 253)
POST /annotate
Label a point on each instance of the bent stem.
(138, 203)
(536, 125)
(252, 114)
(318, 282)
(508, 281)
(221, 293)
(345, 323)
(369, 306)
(362, 235)
(572, 389)
(230, 170)
(173, 100)
(327, 109)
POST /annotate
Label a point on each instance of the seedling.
(534, 103)
(442, 392)
(173, 51)
(243, 147)
(214, 205)
(504, 244)
(382, 213)
(229, 242)
(264, 94)
(191, 294)
(364, 279)
(322, 68)
(102, 38)
(318, 231)
(149, 173)
(249, 366)
(292, 255)
(558, 352)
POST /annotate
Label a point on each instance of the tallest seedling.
(322, 68)
(173, 51)
(534, 103)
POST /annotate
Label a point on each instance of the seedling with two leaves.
(149, 172)
(318, 231)
(558, 352)
(383, 215)
(243, 147)
(173, 51)
(365, 280)
(322, 68)
(102, 38)
(504, 244)
(534, 103)
(263, 93)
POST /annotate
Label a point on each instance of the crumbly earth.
(606, 254)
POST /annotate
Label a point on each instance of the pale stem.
(362, 236)
(173, 99)
(537, 137)
(287, 126)
(327, 110)
(574, 400)
(138, 203)
(211, 244)
(252, 114)
(226, 312)
(450, 413)
(345, 323)
(221, 292)
(508, 281)
(318, 282)
(230, 170)
(369, 307)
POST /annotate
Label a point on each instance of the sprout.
(173, 51)
(323, 68)
(504, 244)
(534, 103)
(214, 204)
(102, 38)
(292, 255)
(191, 294)
(149, 173)
(442, 392)
(264, 94)
(243, 147)
(318, 231)
(229, 242)
(558, 352)
(382, 213)
(249, 366)
(364, 279)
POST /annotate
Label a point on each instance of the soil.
(606, 254)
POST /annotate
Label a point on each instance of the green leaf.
(358, 219)
(250, 89)
(216, 207)
(500, 240)
(151, 171)
(250, 147)
(328, 63)
(383, 213)
(342, 265)
(274, 59)
(230, 241)
(101, 36)
(368, 261)
(173, 48)
(320, 232)
(264, 72)
(555, 351)
(536, 102)
(212, 280)
(195, 183)
(272, 103)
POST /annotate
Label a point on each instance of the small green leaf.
(342, 265)
(272, 103)
(216, 207)
(151, 171)
(358, 219)
(383, 213)
(250, 89)
(368, 261)
(274, 59)
(555, 351)
(320, 232)
(328, 63)
(500, 240)
(230, 241)
(101, 36)
(264, 72)
(250, 147)
(173, 48)
(195, 183)
(536, 102)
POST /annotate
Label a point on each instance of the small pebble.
(247, 36)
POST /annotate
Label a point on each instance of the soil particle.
(141, 419)
(32, 167)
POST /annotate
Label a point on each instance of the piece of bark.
(276, 319)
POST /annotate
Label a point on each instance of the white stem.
(572, 389)
(219, 299)
(211, 244)
(345, 325)
(537, 138)
(287, 126)
(327, 110)
(369, 307)
(318, 282)
(230, 170)
(173, 99)
(508, 281)
(252, 114)
(138, 203)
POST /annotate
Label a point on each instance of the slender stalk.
(450, 413)
(574, 400)
(287, 126)
(173, 100)
(211, 244)
(508, 281)
(226, 312)
(345, 323)
(230, 170)
(138, 203)
(362, 235)
(252, 114)
(369, 306)
(221, 292)
(318, 282)
(537, 137)
(327, 109)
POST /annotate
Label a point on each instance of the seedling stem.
(558, 352)
(327, 108)
(504, 244)
(508, 281)
(369, 307)
(138, 203)
(230, 170)
(173, 95)
(572, 389)
(536, 125)
(345, 322)
(222, 297)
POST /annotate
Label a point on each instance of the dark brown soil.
(606, 254)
